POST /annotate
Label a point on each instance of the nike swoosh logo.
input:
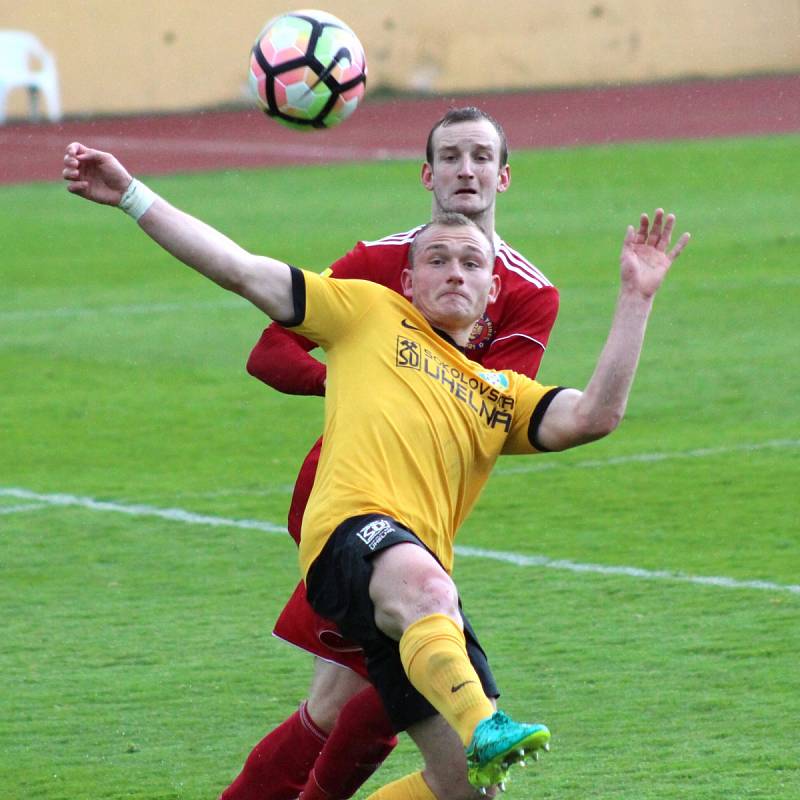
(406, 324)
(454, 689)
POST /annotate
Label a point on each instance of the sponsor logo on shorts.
(374, 532)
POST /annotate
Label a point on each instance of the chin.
(465, 205)
(453, 320)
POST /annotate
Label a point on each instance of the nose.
(454, 272)
(465, 169)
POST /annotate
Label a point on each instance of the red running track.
(159, 144)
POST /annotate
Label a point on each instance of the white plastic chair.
(19, 51)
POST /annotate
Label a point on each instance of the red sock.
(279, 764)
(360, 742)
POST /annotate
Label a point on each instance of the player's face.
(452, 279)
(466, 175)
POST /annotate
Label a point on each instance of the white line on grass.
(172, 514)
(187, 517)
(630, 572)
(537, 465)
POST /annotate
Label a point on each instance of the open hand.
(94, 175)
(645, 259)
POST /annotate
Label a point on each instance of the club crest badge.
(482, 334)
(496, 379)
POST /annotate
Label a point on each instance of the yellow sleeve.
(532, 400)
(327, 309)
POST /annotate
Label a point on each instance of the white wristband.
(137, 199)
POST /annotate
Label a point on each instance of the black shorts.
(338, 588)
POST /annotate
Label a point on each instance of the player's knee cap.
(439, 596)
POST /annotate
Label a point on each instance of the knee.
(421, 597)
(437, 594)
(407, 584)
(331, 689)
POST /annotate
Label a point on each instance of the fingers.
(82, 153)
(75, 156)
(644, 223)
(680, 244)
(659, 234)
(77, 153)
(662, 229)
(654, 237)
(630, 235)
(71, 171)
(71, 163)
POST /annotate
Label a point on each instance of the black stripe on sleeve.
(536, 417)
(298, 298)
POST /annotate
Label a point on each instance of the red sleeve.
(523, 332)
(378, 263)
(281, 360)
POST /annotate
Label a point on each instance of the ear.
(503, 179)
(426, 176)
(406, 280)
(494, 290)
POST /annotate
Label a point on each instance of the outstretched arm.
(575, 417)
(99, 177)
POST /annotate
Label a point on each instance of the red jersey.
(512, 333)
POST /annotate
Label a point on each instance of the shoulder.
(381, 260)
(323, 282)
(321, 297)
(393, 241)
(520, 272)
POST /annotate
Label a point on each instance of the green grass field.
(136, 660)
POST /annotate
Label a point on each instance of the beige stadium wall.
(117, 56)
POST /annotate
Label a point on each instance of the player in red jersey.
(341, 733)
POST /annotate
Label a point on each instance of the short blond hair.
(448, 219)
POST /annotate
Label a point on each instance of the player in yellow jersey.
(412, 428)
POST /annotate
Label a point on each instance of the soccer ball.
(308, 70)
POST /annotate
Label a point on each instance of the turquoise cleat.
(497, 744)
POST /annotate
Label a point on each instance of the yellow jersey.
(412, 426)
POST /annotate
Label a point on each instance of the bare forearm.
(574, 418)
(602, 404)
(263, 281)
(196, 244)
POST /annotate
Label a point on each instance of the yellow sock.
(434, 655)
(412, 787)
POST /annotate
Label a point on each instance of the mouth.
(460, 295)
(465, 192)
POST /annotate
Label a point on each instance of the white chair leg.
(53, 96)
